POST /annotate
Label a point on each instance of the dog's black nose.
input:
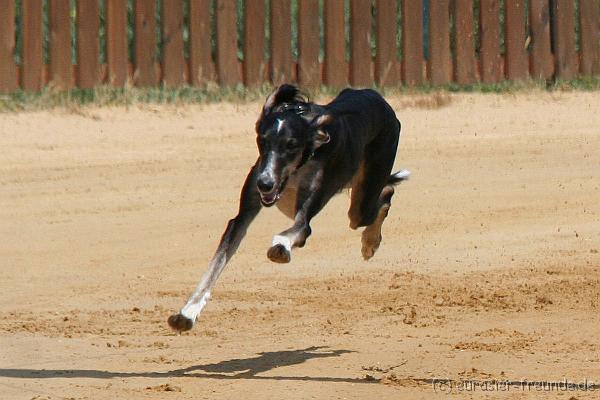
(265, 184)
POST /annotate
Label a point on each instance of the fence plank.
(465, 69)
(440, 58)
(202, 68)
(8, 68)
(336, 71)
(565, 56)
(386, 65)
(281, 41)
(254, 43)
(32, 58)
(145, 43)
(227, 62)
(88, 44)
(491, 62)
(590, 37)
(116, 42)
(517, 63)
(360, 42)
(60, 43)
(309, 71)
(173, 62)
(541, 52)
(412, 42)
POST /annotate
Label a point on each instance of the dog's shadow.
(266, 361)
(238, 368)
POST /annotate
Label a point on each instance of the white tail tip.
(403, 174)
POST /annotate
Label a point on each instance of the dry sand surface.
(489, 268)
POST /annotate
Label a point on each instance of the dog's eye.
(291, 144)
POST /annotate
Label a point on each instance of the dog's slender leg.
(371, 193)
(357, 196)
(312, 196)
(234, 233)
(372, 176)
(371, 236)
(281, 250)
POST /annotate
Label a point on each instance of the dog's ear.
(319, 126)
(283, 94)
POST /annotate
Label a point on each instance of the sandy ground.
(489, 270)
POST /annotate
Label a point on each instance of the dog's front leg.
(281, 250)
(234, 233)
(311, 198)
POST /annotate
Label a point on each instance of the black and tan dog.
(307, 154)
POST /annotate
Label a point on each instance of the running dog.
(307, 154)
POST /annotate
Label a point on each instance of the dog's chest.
(287, 202)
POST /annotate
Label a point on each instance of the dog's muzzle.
(268, 189)
(268, 199)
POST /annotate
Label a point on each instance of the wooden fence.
(312, 42)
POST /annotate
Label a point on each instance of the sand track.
(489, 267)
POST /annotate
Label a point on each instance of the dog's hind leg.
(371, 236)
(372, 191)
(234, 233)
(372, 176)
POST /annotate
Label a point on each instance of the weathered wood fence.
(84, 43)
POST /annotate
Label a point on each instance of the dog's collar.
(297, 108)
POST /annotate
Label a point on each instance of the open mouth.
(268, 199)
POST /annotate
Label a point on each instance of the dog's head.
(288, 131)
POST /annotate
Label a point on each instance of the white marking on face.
(279, 124)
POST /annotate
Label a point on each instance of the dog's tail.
(398, 177)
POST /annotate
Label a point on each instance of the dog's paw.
(279, 254)
(371, 236)
(180, 323)
(370, 244)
